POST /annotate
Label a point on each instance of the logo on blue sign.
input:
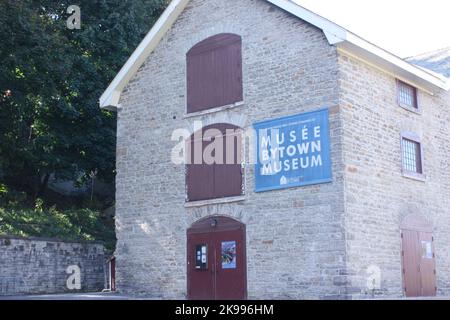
(293, 151)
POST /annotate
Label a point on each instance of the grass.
(17, 219)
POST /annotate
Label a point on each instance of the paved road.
(77, 296)
(116, 296)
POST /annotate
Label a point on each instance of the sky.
(403, 27)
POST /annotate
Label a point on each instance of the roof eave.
(335, 34)
(388, 62)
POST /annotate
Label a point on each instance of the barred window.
(412, 156)
(407, 95)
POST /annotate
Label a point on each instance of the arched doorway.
(216, 260)
(418, 258)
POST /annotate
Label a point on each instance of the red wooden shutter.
(211, 181)
(228, 177)
(214, 73)
(200, 177)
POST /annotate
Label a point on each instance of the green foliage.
(10, 197)
(51, 79)
(75, 224)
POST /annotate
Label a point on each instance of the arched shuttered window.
(214, 72)
(223, 178)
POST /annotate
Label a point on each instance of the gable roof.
(437, 61)
(336, 35)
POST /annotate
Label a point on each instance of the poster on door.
(293, 151)
(427, 250)
(229, 255)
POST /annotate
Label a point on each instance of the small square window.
(407, 95)
(412, 156)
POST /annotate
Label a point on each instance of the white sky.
(403, 27)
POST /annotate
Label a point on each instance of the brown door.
(419, 267)
(113, 274)
(427, 265)
(216, 263)
(411, 274)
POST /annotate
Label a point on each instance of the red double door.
(216, 260)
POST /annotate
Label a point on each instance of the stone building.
(363, 210)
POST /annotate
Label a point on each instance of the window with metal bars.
(407, 95)
(412, 156)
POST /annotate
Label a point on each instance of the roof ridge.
(427, 53)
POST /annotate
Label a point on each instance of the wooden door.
(201, 284)
(113, 274)
(216, 266)
(411, 274)
(427, 264)
(230, 264)
(418, 258)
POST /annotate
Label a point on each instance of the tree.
(51, 78)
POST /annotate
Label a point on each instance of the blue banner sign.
(293, 151)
